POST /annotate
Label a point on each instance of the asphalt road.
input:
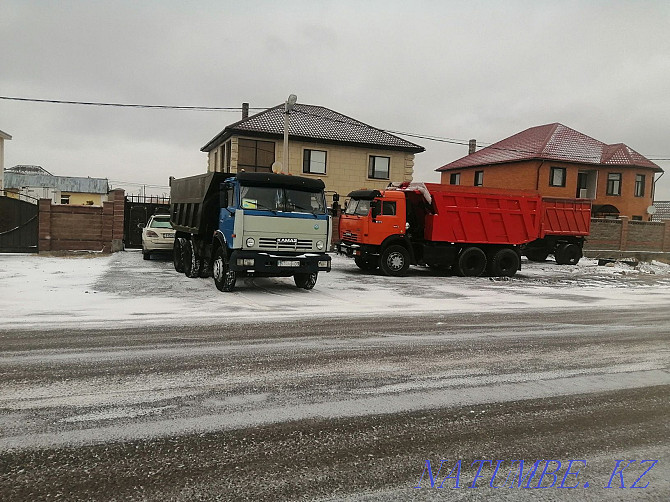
(340, 409)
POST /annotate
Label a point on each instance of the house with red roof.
(558, 161)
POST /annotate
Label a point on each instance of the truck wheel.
(192, 262)
(367, 262)
(536, 254)
(505, 263)
(471, 262)
(394, 261)
(177, 254)
(305, 281)
(568, 254)
(224, 278)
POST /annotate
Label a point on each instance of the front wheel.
(224, 278)
(568, 254)
(305, 281)
(367, 262)
(395, 261)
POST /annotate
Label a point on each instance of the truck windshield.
(282, 199)
(358, 207)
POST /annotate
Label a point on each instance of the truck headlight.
(250, 242)
(245, 262)
(319, 245)
(323, 264)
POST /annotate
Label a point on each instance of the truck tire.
(192, 262)
(471, 262)
(224, 278)
(367, 262)
(394, 261)
(504, 263)
(568, 254)
(177, 254)
(305, 281)
(536, 254)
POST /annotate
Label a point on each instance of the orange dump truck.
(470, 229)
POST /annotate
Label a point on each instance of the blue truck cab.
(257, 224)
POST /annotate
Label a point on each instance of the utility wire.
(125, 105)
(350, 122)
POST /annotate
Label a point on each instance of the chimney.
(245, 111)
(472, 146)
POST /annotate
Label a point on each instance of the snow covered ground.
(92, 290)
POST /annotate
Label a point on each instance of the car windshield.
(281, 199)
(160, 223)
(358, 207)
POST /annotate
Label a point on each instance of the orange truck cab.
(470, 229)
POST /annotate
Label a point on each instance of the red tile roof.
(553, 142)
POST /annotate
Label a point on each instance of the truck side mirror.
(374, 210)
(223, 195)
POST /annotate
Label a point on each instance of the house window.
(557, 177)
(479, 178)
(314, 162)
(255, 155)
(455, 179)
(64, 199)
(639, 185)
(378, 167)
(614, 184)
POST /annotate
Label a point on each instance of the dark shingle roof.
(553, 142)
(314, 123)
(662, 210)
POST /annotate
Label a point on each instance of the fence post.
(624, 233)
(666, 236)
(44, 229)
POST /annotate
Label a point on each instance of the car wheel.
(224, 278)
(305, 281)
(177, 254)
(394, 261)
(146, 254)
(471, 262)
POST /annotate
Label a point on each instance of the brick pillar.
(623, 246)
(44, 232)
(117, 227)
(666, 237)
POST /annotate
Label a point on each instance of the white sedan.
(157, 235)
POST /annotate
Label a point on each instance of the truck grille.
(278, 245)
(350, 236)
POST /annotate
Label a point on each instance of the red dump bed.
(491, 216)
(487, 216)
(565, 217)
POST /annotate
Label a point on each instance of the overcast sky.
(460, 70)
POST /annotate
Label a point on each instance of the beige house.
(3, 137)
(32, 183)
(345, 153)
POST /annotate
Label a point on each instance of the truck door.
(389, 219)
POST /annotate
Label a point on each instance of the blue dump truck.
(250, 224)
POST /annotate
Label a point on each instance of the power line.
(126, 105)
(350, 122)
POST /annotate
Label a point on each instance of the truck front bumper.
(351, 249)
(278, 264)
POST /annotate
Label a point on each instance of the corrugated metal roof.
(316, 123)
(62, 183)
(27, 169)
(662, 210)
(553, 142)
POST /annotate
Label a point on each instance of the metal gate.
(19, 224)
(138, 209)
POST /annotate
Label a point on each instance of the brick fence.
(624, 234)
(82, 228)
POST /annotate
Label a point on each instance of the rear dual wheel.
(177, 254)
(568, 254)
(191, 259)
(471, 262)
(504, 263)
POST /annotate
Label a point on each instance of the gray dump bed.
(194, 201)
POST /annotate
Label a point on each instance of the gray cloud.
(482, 70)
